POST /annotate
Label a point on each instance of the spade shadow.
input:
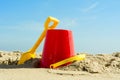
(32, 63)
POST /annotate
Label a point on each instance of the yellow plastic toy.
(31, 53)
(71, 59)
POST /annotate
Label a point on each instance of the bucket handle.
(71, 59)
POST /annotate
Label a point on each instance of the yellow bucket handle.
(71, 59)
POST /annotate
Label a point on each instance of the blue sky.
(95, 23)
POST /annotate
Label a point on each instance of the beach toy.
(31, 53)
(58, 49)
(71, 59)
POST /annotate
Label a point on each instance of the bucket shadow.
(32, 63)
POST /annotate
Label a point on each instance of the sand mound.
(10, 60)
(98, 63)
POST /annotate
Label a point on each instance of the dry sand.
(94, 67)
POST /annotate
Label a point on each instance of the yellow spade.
(31, 53)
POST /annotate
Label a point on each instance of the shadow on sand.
(32, 63)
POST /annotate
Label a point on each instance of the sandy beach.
(47, 74)
(94, 67)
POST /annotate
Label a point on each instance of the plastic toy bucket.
(58, 46)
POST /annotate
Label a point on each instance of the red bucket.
(58, 46)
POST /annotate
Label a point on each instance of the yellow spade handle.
(46, 27)
(71, 59)
(51, 19)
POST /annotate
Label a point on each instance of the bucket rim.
(59, 30)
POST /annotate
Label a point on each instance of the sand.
(94, 67)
